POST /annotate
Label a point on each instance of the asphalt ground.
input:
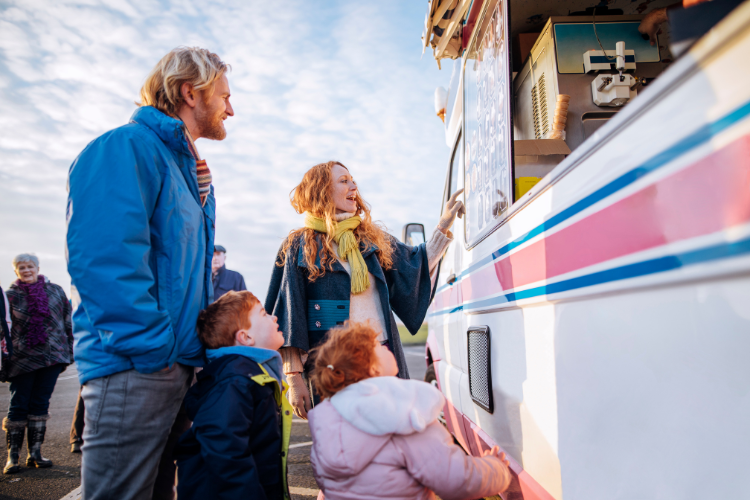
(57, 481)
(65, 476)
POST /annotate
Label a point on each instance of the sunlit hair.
(315, 195)
(350, 351)
(218, 323)
(25, 257)
(193, 65)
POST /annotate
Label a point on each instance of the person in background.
(651, 24)
(377, 436)
(224, 280)
(142, 269)
(42, 336)
(238, 445)
(76, 426)
(6, 345)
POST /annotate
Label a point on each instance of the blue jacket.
(238, 444)
(139, 249)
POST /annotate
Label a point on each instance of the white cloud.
(311, 81)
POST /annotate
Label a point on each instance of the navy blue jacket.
(306, 309)
(226, 280)
(139, 246)
(234, 448)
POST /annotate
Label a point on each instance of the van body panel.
(616, 294)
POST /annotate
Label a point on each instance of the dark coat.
(59, 346)
(306, 309)
(226, 280)
(233, 450)
(4, 330)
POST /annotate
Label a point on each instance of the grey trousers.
(127, 422)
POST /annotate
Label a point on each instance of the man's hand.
(453, 208)
(299, 394)
(652, 22)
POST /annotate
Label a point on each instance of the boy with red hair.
(239, 440)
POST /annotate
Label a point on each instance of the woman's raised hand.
(453, 208)
(299, 395)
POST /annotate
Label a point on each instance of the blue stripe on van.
(653, 266)
(694, 140)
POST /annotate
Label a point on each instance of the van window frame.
(447, 191)
(510, 195)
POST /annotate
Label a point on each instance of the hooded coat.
(237, 445)
(139, 246)
(307, 309)
(380, 439)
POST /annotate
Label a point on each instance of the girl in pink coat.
(376, 436)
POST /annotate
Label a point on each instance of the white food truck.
(592, 315)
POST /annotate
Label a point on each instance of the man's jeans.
(128, 418)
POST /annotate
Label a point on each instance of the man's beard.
(210, 122)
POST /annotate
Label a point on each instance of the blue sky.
(311, 81)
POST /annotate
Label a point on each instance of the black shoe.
(75, 447)
(37, 429)
(14, 436)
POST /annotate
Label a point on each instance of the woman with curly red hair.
(377, 436)
(342, 266)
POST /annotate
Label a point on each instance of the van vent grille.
(535, 106)
(543, 105)
(480, 374)
(539, 103)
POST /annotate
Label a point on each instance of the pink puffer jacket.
(379, 439)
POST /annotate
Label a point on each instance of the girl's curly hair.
(350, 351)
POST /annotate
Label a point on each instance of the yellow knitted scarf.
(348, 248)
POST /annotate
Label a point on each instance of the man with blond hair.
(140, 241)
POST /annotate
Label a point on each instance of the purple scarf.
(38, 311)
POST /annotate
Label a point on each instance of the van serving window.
(488, 176)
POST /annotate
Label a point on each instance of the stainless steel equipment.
(555, 66)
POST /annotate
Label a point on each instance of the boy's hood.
(389, 405)
(271, 360)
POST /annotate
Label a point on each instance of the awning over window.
(442, 28)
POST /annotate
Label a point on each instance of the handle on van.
(451, 279)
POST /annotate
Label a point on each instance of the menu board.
(488, 177)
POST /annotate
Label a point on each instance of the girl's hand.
(299, 395)
(510, 483)
(495, 452)
(453, 208)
